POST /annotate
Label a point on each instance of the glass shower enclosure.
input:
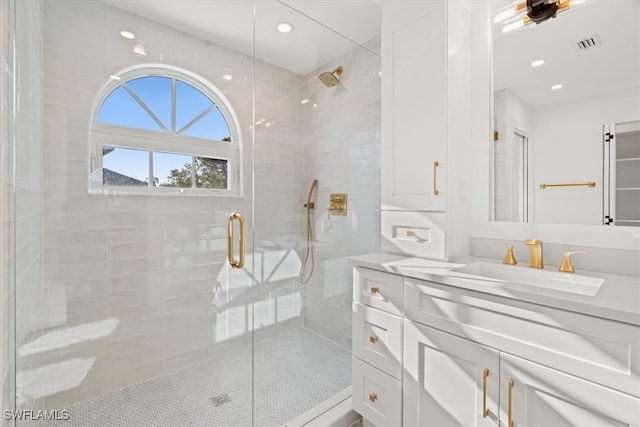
(159, 229)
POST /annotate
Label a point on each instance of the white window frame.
(104, 134)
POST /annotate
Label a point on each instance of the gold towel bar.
(578, 184)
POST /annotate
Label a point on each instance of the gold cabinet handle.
(375, 290)
(240, 262)
(435, 178)
(373, 339)
(373, 397)
(485, 375)
(512, 384)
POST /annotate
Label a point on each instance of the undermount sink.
(517, 277)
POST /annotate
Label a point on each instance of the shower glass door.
(143, 135)
(131, 156)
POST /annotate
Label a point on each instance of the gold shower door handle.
(240, 262)
(435, 178)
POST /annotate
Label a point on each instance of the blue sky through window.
(122, 109)
(155, 92)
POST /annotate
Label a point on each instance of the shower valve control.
(337, 204)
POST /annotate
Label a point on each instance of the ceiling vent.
(587, 43)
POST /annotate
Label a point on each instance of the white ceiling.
(230, 23)
(613, 65)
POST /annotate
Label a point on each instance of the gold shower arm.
(577, 184)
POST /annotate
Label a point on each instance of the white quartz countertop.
(617, 299)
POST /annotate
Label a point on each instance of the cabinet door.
(414, 120)
(449, 381)
(539, 396)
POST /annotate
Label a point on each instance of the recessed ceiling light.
(556, 87)
(537, 62)
(127, 35)
(304, 101)
(285, 27)
(227, 77)
(114, 77)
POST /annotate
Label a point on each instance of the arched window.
(158, 129)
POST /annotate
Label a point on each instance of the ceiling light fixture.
(127, 35)
(285, 27)
(537, 62)
(523, 12)
(228, 77)
(114, 77)
(556, 87)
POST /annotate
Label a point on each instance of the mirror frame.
(481, 126)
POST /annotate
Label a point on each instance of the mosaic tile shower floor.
(293, 372)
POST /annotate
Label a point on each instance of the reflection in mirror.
(566, 94)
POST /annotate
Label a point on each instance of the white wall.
(567, 148)
(20, 192)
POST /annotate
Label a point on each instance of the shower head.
(330, 78)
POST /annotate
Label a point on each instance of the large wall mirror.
(566, 94)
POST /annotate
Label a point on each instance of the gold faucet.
(567, 266)
(536, 253)
(509, 258)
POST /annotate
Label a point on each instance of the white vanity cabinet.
(567, 368)
(542, 397)
(425, 143)
(449, 381)
(377, 346)
(471, 358)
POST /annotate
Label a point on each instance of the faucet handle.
(567, 266)
(509, 258)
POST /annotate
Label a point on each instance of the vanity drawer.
(377, 339)
(377, 289)
(596, 349)
(375, 395)
(416, 233)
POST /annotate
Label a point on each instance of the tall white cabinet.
(426, 89)
(414, 106)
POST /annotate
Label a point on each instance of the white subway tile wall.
(342, 151)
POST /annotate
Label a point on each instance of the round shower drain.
(221, 399)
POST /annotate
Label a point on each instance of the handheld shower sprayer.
(309, 255)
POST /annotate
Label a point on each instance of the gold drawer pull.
(512, 384)
(485, 411)
(373, 339)
(375, 290)
(373, 397)
(435, 178)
